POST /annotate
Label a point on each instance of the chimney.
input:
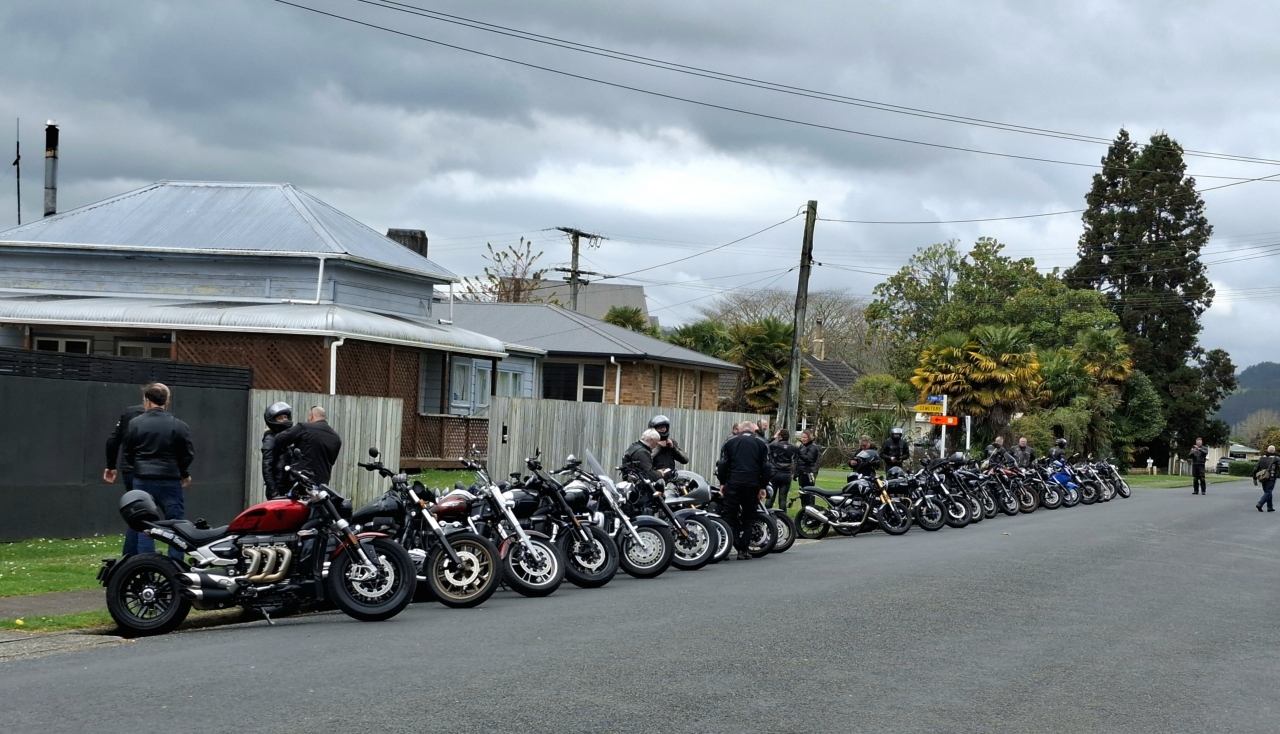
(819, 344)
(50, 168)
(414, 239)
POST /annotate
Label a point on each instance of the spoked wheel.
(143, 596)
(810, 527)
(534, 571)
(1028, 500)
(648, 556)
(372, 595)
(930, 515)
(695, 547)
(470, 584)
(589, 565)
(764, 536)
(959, 513)
(895, 517)
(786, 531)
(1122, 489)
(1050, 497)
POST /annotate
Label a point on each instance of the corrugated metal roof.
(284, 318)
(241, 218)
(559, 330)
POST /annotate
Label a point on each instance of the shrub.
(1241, 468)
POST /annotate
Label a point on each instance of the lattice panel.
(278, 362)
(404, 385)
(450, 436)
(363, 368)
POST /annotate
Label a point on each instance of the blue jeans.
(1267, 487)
(168, 495)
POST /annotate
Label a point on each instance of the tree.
(909, 305)
(1139, 419)
(512, 276)
(1005, 374)
(1144, 229)
(633, 318)
(707, 337)
(763, 350)
(1252, 429)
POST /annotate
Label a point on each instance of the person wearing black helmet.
(316, 440)
(1059, 452)
(279, 418)
(667, 453)
(866, 460)
(895, 450)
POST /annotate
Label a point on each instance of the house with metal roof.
(257, 275)
(588, 360)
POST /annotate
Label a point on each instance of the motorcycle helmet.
(1060, 443)
(896, 472)
(958, 458)
(896, 432)
(661, 424)
(275, 411)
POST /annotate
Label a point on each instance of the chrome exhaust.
(814, 512)
(274, 564)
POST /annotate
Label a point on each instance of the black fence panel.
(127, 370)
(52, 453)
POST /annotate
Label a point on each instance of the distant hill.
(1259, 389)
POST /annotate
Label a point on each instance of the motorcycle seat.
(192, 533)
(824, 492)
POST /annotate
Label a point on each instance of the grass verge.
(1164, 481)
(42, 566)
(443, 478)
(58, 623)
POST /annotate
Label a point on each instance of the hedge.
(1241, 468)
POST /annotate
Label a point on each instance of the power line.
(705, 252)
(768, 85)
(712, 105)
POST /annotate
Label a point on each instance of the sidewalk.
(54, 604)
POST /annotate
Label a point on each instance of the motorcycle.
(456, 567)
(272, 556)
(1107, 469)
(686, 482)
(861, 503)
(1059, 474)
(563, 515)
(645, 543)
(695, 537)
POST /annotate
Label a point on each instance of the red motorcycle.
(274, 557)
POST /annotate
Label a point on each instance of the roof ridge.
(575, 316)
(291, 195)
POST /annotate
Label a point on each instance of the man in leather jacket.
(1059, 452)
(1023, 455)
(743, 470)
(895, 450)
(279, 418)
(1199, 455)
(117, 465)
(638, 458)
(158, 447)
(667, 453)
(865, 468)
(996, 453)
(782, 455)
(317, 441)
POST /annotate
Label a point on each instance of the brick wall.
(710, 391)
(278, 362)
(637, 384)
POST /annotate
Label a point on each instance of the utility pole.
(789, 406)
(575, 274)
(17, 161)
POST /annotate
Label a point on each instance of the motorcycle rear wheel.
(810, 527)
(474, 583)
(587, 567)
(764, 536)
(695, 551)
(143, 597)
(381, 597)
(786, 531)
(649, 557)
(533, 573)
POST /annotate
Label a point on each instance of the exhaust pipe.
(275, 564)
(814, 512)
(198, 580)
(207, 598)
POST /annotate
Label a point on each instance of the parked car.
(1224, 465)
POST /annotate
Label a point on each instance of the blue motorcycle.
(1061, 475)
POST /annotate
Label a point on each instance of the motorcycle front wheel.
(1122, 489)
(1088, 493)
(589, 566)
(1070, 496)
(724, 540)
(1028, 500)
(959, 513)
(649, 555)
(534, 571)
(1007, 501)
(894, 518)
(764, 536)
(143, 597)
(1050, 497)
(786, 531)
(377, 595)
(989, 507)
(469, 585)
(696, 546)
(930, 515)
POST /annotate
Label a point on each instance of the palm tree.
(1005, 373)
(1064, 377)
(630, 317)
(708, 337)
(944, 370)
(1104, 355)
(763, 349)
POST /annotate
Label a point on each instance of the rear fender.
(111, 565)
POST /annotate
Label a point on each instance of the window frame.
(147, 346)
(62, 342)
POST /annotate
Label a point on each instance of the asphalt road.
(1152, 614)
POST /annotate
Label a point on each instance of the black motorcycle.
(563, 516)
(696, 538)
(456, 567)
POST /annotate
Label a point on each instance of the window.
(483, 385)
(510, 384)
(559, 381)
(460, 384)
(593, 383)
(70, 346)
(143, 349)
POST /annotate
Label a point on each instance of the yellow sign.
(928, 408)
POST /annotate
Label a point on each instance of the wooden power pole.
(575, 273)
(789, 405)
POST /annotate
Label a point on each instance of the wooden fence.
(361, 422)
(519, 426)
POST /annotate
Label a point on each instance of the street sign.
(927, 408)
(933, 399)
(944, 420)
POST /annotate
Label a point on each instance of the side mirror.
(373, 452)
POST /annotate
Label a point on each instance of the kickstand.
(267, 617)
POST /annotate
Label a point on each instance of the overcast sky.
(399, 132)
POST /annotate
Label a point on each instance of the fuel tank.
(272, 516)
